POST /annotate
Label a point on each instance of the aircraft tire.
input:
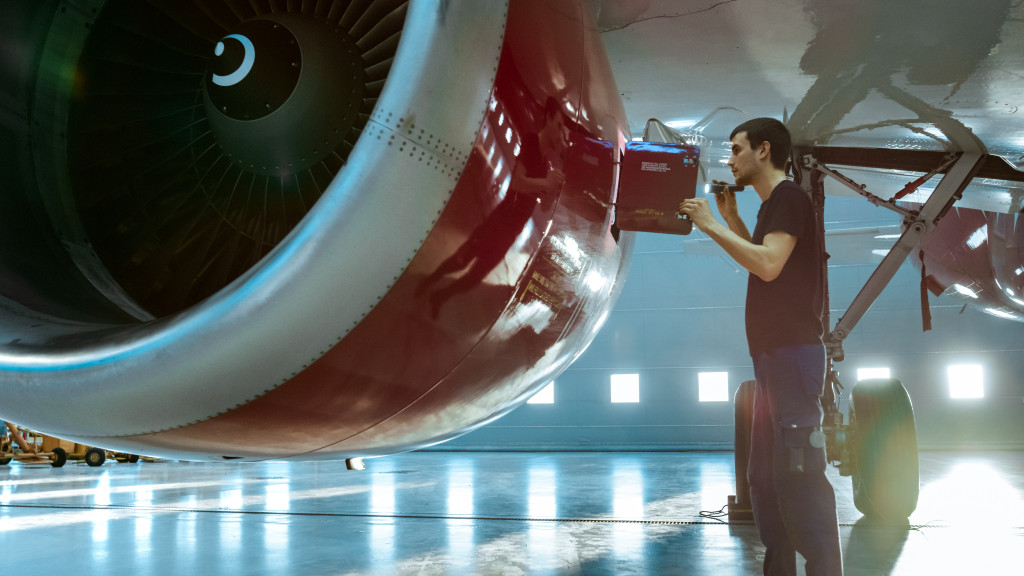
(6, 460)
(744, 420)
(886, 481)
(95, 456)
(60, 456)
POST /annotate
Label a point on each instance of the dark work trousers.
(793, 503)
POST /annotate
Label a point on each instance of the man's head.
(767, 139)
(554, 131)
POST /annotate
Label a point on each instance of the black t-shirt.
(787, 310)
(532, 157)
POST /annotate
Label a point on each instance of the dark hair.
(552, 108)
(771, 130)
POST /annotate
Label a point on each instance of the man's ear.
(764, 151)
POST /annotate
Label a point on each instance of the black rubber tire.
(132, 458)
(60, 456)
(6, 447)
(886, 480)
(744, 422)
(95, 456)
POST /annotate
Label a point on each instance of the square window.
(867, 373)
(546, 395)
(625, 388)
(966, 381)
(713, 386)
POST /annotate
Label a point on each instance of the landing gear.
(877, 447)
(886, 479)
(739, 505)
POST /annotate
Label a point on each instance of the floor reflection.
(970, 488)
(882, 544)
(484, 513)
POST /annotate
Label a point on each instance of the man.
(537, 174)
(793, 503)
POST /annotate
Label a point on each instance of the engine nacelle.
(976, 257)
(234, 233)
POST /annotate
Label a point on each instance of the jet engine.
(977, 258)
(291, 229)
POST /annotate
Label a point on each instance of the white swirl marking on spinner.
(247, 62)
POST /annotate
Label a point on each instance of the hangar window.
(625, 388)
(545, 396)
(867, 373)
(966, 381)
(713, 386)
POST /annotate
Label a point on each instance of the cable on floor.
(445, 517)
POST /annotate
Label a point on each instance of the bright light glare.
(628, 492)
(1001, 313)
(680, 124)
(971, 485)
(460, 489)
(965, 291)
(545, 396)
(979, 237)
(866, 373)
(625, 388)
(966, 381)
(542, 501)
(596, 281)
(713, 386)
(628, 540)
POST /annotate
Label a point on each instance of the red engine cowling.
(323, 233)
(976, 257)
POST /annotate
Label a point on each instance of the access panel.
(655, 178)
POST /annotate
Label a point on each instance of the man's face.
(743, 161)
(556, 133)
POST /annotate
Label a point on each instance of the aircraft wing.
(912, 75)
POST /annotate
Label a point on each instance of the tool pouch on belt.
(801, 443)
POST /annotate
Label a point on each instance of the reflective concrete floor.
(474, 513)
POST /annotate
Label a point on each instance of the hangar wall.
(681, 313)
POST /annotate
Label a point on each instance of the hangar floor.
(474, 513)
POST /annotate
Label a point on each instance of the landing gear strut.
(877, 446)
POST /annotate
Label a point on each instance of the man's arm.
(764, 261)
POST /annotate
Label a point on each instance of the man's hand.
(698, 211)
(726, 201)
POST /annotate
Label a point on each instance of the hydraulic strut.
(959, 169)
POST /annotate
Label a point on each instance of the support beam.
(917, 225)
(992, 167)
